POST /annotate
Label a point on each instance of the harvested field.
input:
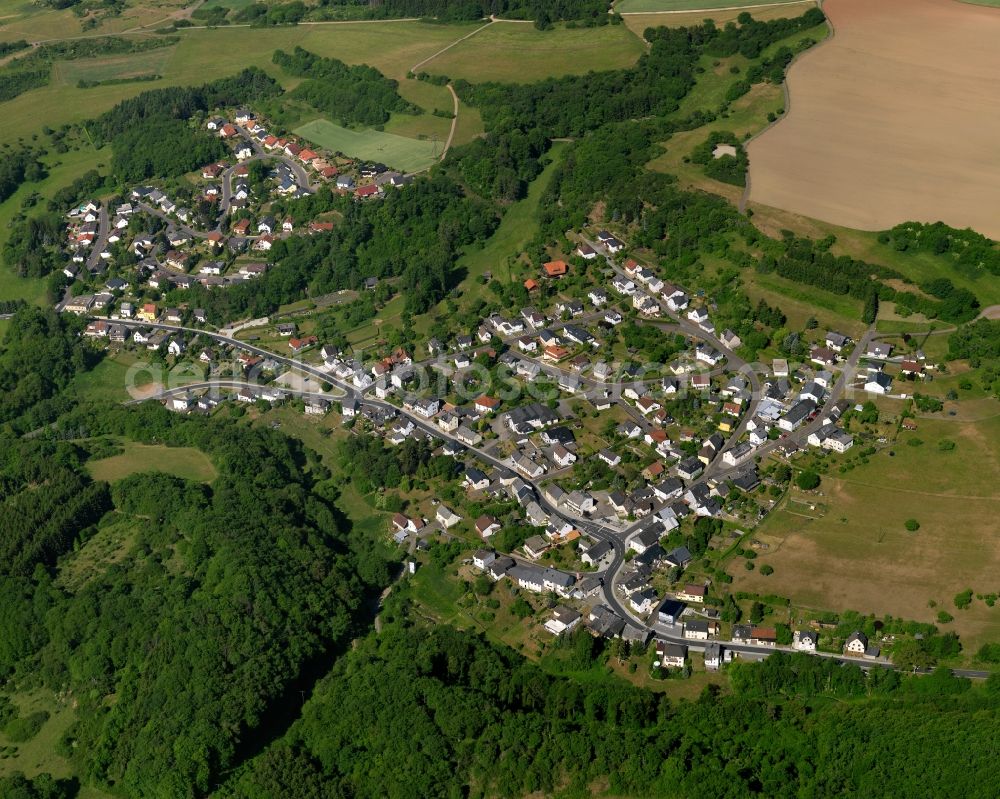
(894, 118)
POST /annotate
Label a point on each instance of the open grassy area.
(865, 246)
(853, 551)
(517, 53)
(399, 152)
(154, 62)
(37, 755)
(186, 462)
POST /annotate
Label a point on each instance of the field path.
(419, 64)
(454, 121)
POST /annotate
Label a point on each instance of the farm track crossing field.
(185, 462)
(399, 152)
(892, 119)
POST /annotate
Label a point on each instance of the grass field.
(859, 556)
(517, 53)
(186, 462)
(408, 155)
(113, 68)
(653, 6)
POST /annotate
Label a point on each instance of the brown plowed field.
(894, 118)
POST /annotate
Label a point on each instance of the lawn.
(186, 462)
(399, 152)
(855, 552)
(517, 53)
(653, 6)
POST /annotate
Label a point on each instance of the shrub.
(767, 569)
(807, 480)
(963, 599)
(944, 617)
(26, 728)
(912, 525)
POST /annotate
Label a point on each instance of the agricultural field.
(399, 152)
(186, 462)
(515, 52)
(846, 546)
(890, 120)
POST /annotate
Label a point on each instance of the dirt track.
(895, 118)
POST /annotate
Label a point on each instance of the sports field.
(894, 118)
(653, 6)
(399, 152)
(187, 462)
(855, 553)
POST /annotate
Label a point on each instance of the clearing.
(858, 555)
(400, 152)
(892, 119)
(186, 462)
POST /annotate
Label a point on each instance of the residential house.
(563, 620)
(487, 526)
(692, 593)
(671, 656)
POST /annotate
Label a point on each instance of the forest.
(348, 94)
(228, 594)
(456, 715)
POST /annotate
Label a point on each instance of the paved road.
(100, 244)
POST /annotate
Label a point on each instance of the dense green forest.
(348, 94)
(420, 712)
(228, 595)
(40, 354)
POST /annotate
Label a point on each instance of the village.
(628, 482)
(215, 229)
